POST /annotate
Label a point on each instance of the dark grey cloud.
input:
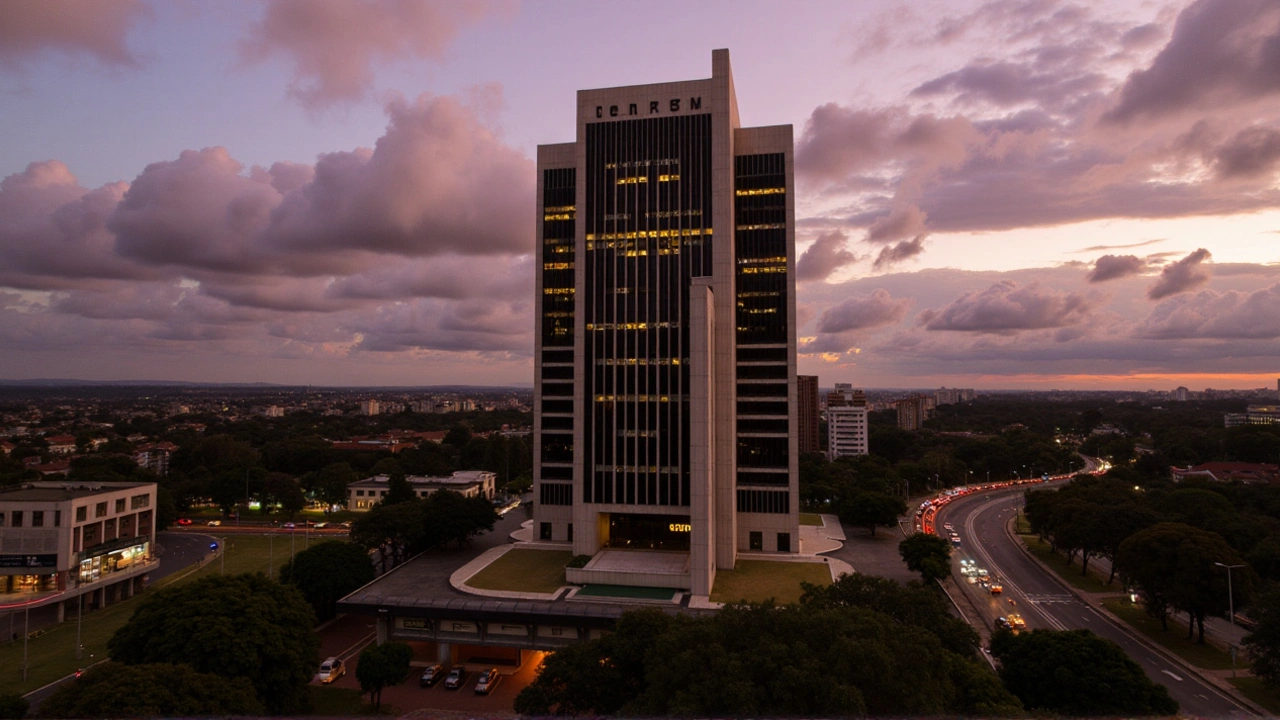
(1181, 276)
(1221, 51)
(864, 312)
(1007, 307)
(827, 254)
(1005, 84)
(1110, 267)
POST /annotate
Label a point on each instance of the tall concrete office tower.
(664, 408)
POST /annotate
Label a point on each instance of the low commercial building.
(61, 540)
(364, 494)
(1230, 472)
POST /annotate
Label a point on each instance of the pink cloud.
(1008, 307)
(335, 44)
(1230, 315)
(1110, 267)
(1181, 276)
(864, 312)
(1221, 51)
(899, 252)
(826, 255)
(99, 28)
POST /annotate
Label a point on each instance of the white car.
(330, 670)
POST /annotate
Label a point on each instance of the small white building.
(364, 494)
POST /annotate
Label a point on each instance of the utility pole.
(79, 617)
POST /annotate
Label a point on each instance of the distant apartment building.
(913, 411)
(953, 396)
(1181, 394)
(273, 411)
(846, 422)
(364, 494)
(807, 412)
(1254, 415)
(155, 456)
(370, 407)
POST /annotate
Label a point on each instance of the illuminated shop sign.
(680, 527)
(655, 106)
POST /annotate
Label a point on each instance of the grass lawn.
(1070, 573)
(759, 580)
(1255, 690)
(811, 519)
(330, 701)
(1174, 639)
(53, 654)
(524, 570)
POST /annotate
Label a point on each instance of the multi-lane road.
(1044, 602)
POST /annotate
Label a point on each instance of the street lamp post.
(1231, 602)
(79, 617)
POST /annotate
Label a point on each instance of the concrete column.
(62, 611)
(702, 439)
(444, 653)
(384, 629)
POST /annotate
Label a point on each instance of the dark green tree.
(398, 489)
(115, 690)
(1264, 640)
(382, 666)
(451, 518)
(872, 509)
(393, 531)
(238, 626)
(282, 490)
(327, 572)
(1077, 674)
(1173, 565)
(928, 555)
(330, 484)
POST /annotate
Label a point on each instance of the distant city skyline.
(996, 195)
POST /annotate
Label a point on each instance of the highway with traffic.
(982, 521)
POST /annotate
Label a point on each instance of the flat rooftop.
(56, 492)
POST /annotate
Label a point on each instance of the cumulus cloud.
(1252, 153)
(1221, 51)
(1181, 276)
(1007, 307)
(826, 255)
(335, 44)
(899, 252)
(864, 312)
(1110, 267)
(1230, 315)
(438, 181)
(98, 28)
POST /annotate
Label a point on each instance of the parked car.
(488, 679)
(457, 677)
(184, 521)
(331, 669)
(432, 675)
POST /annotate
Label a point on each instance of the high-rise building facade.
(665, 389)
(913, 411)
(807, 412)
(846, 422)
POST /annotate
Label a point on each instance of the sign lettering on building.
(673, 105)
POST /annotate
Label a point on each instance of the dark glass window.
(556, 494)
(763, 452)
(761, 372)
(557, 447)
(552, 472)
(764, 501)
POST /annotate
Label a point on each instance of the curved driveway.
(1045, 602)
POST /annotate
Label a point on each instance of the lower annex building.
(665, 386)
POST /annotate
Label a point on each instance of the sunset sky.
(1006, 194)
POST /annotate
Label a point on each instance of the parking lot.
(349, 634)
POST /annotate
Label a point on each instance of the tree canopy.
(326, 572)
(872, 509)
(383, 666)
(237, 626)
(115, 690)
(1076, 673)
(928, 555)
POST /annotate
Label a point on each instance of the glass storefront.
(94, 568)
(649, 532)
